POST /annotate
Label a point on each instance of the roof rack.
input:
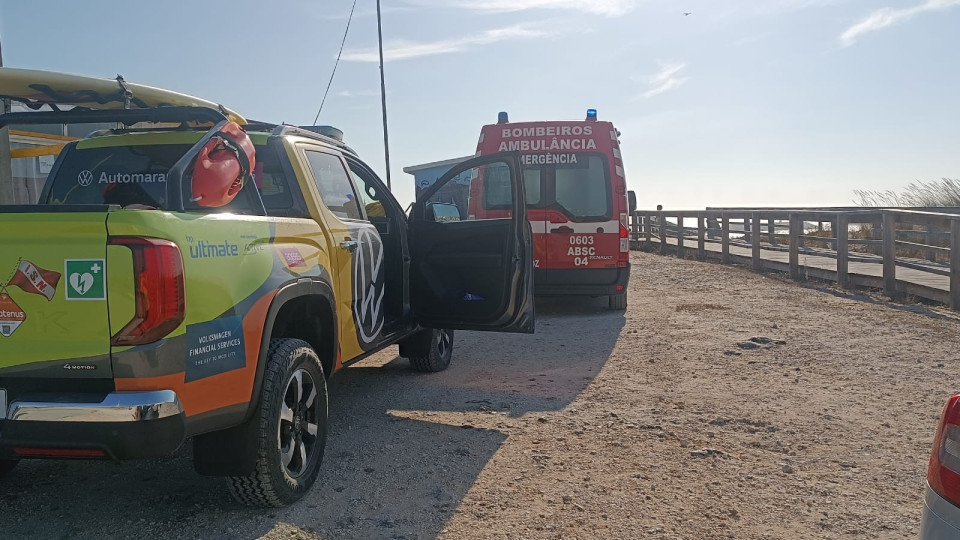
(169, 114)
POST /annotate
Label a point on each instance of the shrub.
(943, 192)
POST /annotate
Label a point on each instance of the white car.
(941, 500)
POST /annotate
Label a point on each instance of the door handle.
(349, 245)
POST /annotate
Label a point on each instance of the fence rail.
(902, 251)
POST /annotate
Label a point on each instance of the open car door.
(471, 249)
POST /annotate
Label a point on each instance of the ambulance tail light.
(624, 257)
(160, 306)
(943, 472)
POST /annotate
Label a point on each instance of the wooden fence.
(901, 251)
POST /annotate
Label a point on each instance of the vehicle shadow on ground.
(385, 475)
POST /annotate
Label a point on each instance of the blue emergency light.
(502, 117)
(591, 115)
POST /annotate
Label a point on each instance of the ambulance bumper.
(580, 282)
(121, 425)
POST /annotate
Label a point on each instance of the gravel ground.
(665, 422)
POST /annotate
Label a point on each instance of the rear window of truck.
(136, 176)
(121, 175)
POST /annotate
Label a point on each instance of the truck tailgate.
(53, 295)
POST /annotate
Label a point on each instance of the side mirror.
(222, 165)
(444, 212)
(632, 201)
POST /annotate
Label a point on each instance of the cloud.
(405, 50)
(606, 8)
(796, 5)
(322, 11)
(887, 17)
(359, 93)
(668, 78)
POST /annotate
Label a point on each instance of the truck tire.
(429, 350)
(292, 429)
(618, 302)
(6, 465)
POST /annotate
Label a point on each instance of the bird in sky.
(685, 13)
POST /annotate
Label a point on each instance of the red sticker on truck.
(292, 257)
(11, 315)
(33, 279)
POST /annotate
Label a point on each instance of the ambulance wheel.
(618, 302)
(6, 465)
(429, 351)
(292, 429)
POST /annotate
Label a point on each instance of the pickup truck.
(187, 273)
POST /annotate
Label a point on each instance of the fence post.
(796, 229)
(681, 250)
(955, 264)
(648, 228)
(724, 239)
(803, 230)
(701, 237)
(746, 230)
(772, 231)
(757, 261)
(843, 233)
(635, 226)
(931, 254)
(877, 234)
(833, 233)
(662, 223)
(889, 253)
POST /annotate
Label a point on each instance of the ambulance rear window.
(580, 190)
(531, 184)
(583, 189)
(496, 193)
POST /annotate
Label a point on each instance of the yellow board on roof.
(54, 87)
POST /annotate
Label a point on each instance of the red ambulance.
(576, 203)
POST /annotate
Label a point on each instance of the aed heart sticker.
(81, 283)
(11, 316)
(85, 279)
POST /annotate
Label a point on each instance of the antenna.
(383, 99)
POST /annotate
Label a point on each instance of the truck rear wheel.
(618, 302)
(429, 350)
(6, 465)
(292, 427)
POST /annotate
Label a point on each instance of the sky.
(740, 103)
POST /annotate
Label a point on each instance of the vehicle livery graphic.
(191, 274)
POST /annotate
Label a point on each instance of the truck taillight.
(943, 473)
(624, 247)
(158, 290)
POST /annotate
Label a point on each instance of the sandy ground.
(652, 424)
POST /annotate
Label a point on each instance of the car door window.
(477, 193)
(369, 197)
(334, 184)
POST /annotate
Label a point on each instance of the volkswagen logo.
(85, 178)
(368, 287)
